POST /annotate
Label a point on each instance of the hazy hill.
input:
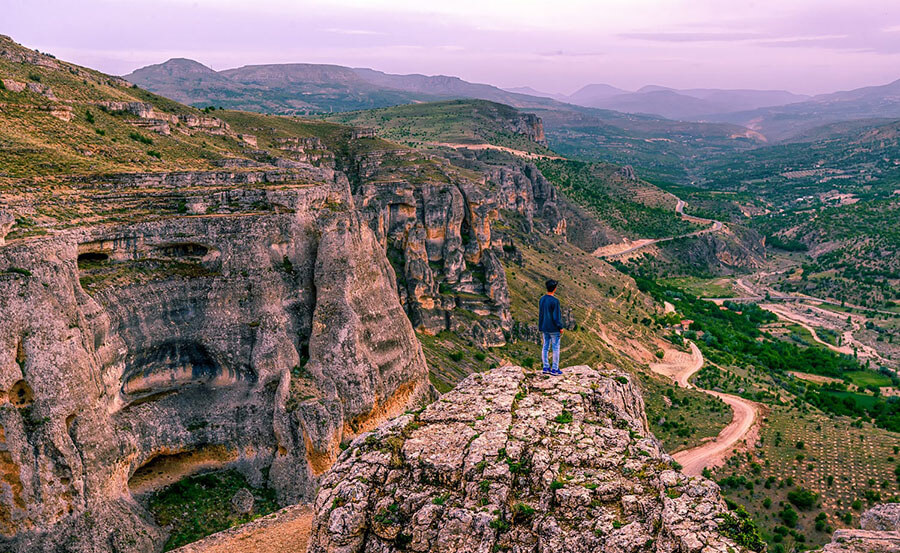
(785, 122)
(690, 104)
(310, 88)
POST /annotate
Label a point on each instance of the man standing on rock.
(550, 325)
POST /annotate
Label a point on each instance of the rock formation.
(256, 341)
(879, 533)
(513, 461)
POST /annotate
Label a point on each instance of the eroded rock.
(135, 354)
(513, 461)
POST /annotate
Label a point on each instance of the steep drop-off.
(513, 461)
(257, 341)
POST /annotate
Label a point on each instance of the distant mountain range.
(301, 88)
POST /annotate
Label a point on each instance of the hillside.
(162, 348)
(463, 122)
(303, 88)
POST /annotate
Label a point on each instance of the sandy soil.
(520, 153)
(814, 377)
(284, 531)
(680, 367)
(787, 314)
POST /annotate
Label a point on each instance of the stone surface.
(134, 354)
(7, 220)
(242, 501)
(881, 518)
(513, 461)
(879, 533)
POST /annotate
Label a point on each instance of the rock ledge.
(513, 461)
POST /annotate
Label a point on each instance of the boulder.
(514, 461)
(242, 502)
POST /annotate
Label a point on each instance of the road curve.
(715, 226)
(744, 416)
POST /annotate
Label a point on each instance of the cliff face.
(257, 341)
(434, 220)
(879, 533)
(512, 461)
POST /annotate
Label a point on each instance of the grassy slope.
(453, 122)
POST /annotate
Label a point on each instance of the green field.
(868, 378)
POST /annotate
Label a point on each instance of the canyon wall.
(134, 354)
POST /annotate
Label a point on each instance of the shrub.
(564, 418)
(154, 153)
(89, 117)
(138, 137)
(789, 517)
(741, 528)
(803, 498)
(456, 356)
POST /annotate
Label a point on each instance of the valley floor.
(743, 423)
(284, 531)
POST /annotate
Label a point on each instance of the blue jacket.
(550, 314)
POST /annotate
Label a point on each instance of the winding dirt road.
(627, 247)
(743, 421)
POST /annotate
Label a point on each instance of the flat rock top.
(514, 461)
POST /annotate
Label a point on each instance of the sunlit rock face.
(514, 461)
(136, 353)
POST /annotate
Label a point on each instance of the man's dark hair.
(551, 285)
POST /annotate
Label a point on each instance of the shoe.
(555, 372)
(547, 371)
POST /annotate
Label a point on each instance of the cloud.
(565, 54)
(365, 32)
(693, 36)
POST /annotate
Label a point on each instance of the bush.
(803, 498)
(789, 517)
(154, 153)
(456, 355)
(741, 528)
(89, 117)
(138, 137)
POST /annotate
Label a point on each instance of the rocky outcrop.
(521, 188)
(6, 223)
(256, 341)
(879, 533)
(435, 225)
(512, 461)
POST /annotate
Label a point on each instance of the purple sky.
(806, 46)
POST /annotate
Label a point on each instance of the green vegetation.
(740, 527)
(201, 505)
(635, 209)
(450, 122)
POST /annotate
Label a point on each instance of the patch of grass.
(201, 505)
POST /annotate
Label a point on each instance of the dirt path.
(284, 531)
(743, 421)
(796, 319)
(520, 153)
(624, 249)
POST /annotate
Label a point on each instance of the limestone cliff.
(513, 461)
(879, 533)
(256, 340)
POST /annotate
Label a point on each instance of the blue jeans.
(551, 338)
